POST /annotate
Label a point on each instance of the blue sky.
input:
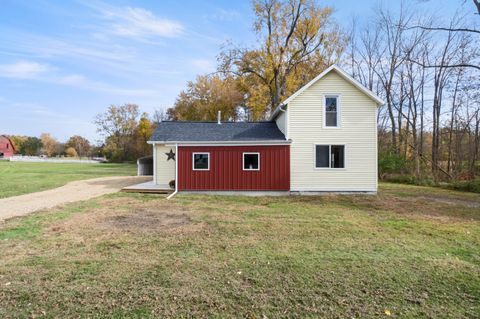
(62, 62)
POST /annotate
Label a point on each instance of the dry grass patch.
(128, 255)
(130, 216)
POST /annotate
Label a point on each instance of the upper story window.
(251, 161)
(332, 111)
(201, 161)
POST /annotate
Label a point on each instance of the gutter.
(223, 143)
(176, 174)
(276, 111)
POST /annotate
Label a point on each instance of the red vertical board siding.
(226, 171)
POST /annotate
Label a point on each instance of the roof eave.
(263, 142)
(342, 73)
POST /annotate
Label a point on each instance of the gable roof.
(179, 131)
(10, 141)
(340, 72)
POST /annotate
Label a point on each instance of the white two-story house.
(323, 138)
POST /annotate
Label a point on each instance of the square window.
(329, 156)
(201, 161)
(251, 161)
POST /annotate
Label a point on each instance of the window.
(331, 111)
(251, 161)
(201, 161)
(329, 156)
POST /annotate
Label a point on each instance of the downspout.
(280, 107)
(176, 173)
(154, 163)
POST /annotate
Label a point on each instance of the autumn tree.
(143, 133)
(118, 125)
(31, 146)
(207, 95)
(298, 39)
(50, 144)
(18, 141)
(71, 152)
(160, 115)
(80, 144)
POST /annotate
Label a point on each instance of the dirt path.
(71, 192)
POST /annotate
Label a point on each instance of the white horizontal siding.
(358, 132)
(165, 170)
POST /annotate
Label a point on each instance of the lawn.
(18, 178)
(409, 252)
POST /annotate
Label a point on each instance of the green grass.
(410, 251)
(18, 178)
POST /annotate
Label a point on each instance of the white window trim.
(339, 111)
(330, 157)
(193, 161)
(243, 161)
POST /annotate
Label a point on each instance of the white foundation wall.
(358, 132)
(164, 170)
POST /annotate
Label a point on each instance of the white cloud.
(136, 23)
(23, 70)
(30, 70)
(221, 14)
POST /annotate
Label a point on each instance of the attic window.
(251, 161)
(331, 113)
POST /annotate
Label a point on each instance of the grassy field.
(18, 178)
(409, 252)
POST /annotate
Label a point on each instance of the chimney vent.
(219, 117)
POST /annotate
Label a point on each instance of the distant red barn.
(7, 149)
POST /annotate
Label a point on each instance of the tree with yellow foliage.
(298, 39)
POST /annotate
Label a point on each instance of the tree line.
(47, 145)
(426, 69)
(124, 129)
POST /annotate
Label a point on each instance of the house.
(7, 148)
(323, 138)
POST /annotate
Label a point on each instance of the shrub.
(466, 186)
(172, 184)
(71, 152)
(390, 163)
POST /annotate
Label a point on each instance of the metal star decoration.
(170, 155)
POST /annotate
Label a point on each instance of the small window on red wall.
(201, 161)
(251, 161)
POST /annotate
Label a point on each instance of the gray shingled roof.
(212, 132)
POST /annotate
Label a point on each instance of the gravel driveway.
(71, 192)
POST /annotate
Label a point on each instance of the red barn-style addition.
(227, 169)
(228, 156)
(7, 149)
